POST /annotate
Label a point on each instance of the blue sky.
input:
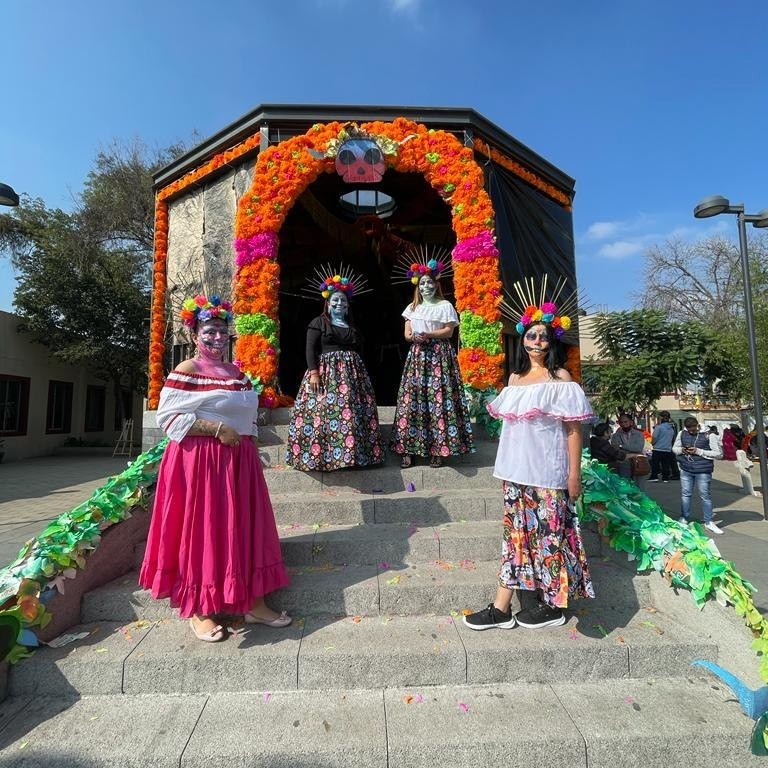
(649, 106)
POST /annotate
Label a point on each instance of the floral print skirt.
(542, 547)
(340, 426)
(431, 417)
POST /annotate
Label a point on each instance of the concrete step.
(272, 448)
(600, 724)
(325, 652)
(437, 587)
(322, 543)
(420, 507)
(383, 479)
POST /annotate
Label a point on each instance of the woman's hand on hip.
(228, 436)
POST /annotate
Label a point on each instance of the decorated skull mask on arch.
(360, 161)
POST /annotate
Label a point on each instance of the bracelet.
(216, 433)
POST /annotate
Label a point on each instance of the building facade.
(45, 404)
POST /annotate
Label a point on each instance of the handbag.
(639, 465)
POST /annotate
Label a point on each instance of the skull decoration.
(360, 161)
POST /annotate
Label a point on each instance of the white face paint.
(427, 287)
(338, 305)
(211, 339)
(535, 340)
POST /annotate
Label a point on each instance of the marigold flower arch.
(285, 170)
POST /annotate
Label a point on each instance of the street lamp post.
(713, 206)
(8, 195)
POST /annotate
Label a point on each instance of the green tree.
(83, 277)
(642, 355)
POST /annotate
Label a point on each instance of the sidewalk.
(34, 491)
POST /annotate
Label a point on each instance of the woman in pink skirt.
(213, 546)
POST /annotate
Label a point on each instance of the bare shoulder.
(513, 379)
(563, 375)
(186, 366)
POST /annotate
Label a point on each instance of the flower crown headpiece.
(529, 306)
(420, 260)
(201, 308)
(328, 280)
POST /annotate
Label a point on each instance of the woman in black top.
(335, 422)
(601, 448)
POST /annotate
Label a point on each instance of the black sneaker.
(540, 616)
(490, 618)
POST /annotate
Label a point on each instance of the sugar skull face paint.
(536, 339)
(211, 339)
(338, 305)
(427, 287)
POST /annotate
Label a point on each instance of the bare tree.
(701, 280)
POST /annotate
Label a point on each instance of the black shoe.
(490, 618)
(541, 616)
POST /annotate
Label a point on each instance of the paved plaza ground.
(34, 491)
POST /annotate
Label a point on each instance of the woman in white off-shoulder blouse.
(539, 462)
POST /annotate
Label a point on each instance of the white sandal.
(283, 620)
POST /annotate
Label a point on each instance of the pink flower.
(264, 245)
(549, 308)
(473, 248)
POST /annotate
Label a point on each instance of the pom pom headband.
(530, 308)
(422, 260)
(328, 280)
(201, 308)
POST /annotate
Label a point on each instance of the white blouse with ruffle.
(533, 449)
(431, 317)
(186, 397)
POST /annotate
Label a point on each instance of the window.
(59, 417)
(126, 396)
(95, 399)
(14, 405)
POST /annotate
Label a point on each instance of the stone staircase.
(378, 669)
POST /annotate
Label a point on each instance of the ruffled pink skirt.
(213, 545)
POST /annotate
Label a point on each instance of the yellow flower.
(565, 322)
(537, 315)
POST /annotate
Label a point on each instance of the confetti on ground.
(23, 744)
(330, 648)
(573, 634)
(384, 566)
(101, 650)
(357, 619)
(326, 725)
(466, 611)
(393, 581)
(467, 565)
(620, 640)
(601, 629)
(408, 699)
(386, 619)
(463, 707)
(454, 613)
(411, 488)
(267, 696)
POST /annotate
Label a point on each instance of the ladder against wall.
(124, 444)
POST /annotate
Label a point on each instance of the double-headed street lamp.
(714, 206)
(8, 195)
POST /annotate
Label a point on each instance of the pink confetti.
(573, 634)
(384, 565)
(267, 696)
(629, 699)
(463, 707)
(418, 698)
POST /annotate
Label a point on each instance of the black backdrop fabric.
(534, 234)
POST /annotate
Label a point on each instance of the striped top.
(186, 397)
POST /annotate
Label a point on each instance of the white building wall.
(21, 356)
